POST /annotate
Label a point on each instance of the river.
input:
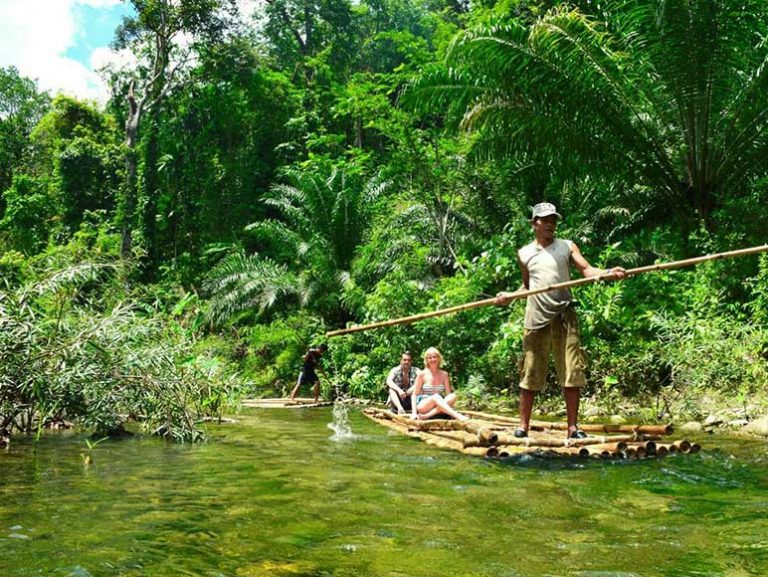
(278, 495)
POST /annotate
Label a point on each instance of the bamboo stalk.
(509, 451)
(491, 417)
(645, 448)
(683, 446)
(608, 428)
(466, 439)
(556, 443)
(473, 427)
(589, 427)
(443, 443)
(557, 286)
(630, 453)
(669, 448)
(610, 447)
(478, 451)
(487, 436)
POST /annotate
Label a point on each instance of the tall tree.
(220, 150)
(78, 146)
(163, 35)
(21, 107)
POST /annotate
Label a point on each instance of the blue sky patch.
(95, 29)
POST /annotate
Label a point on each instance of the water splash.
(340, 424)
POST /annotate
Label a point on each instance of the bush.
(70, 351)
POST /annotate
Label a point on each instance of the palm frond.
(71, 277)
(240, 283)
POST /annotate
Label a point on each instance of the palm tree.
(671, 94)
(320, 223)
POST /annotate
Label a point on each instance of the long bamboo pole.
(557, 286)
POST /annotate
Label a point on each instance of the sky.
(60, 43)
(63, 43)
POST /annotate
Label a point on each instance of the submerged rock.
(589, 412)
(691, 427)
(737, 423)
(758, 427)
(713, 421)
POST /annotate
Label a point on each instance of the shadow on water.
(277, 495)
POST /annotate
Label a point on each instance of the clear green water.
(276, 496)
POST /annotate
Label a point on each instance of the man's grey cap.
(544, 209)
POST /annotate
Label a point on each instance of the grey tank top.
(546, 266)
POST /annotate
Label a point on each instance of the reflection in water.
(276, 496)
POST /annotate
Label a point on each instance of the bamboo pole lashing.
(557, 286)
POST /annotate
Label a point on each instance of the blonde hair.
(433, 350)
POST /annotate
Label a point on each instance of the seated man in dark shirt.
(400, 385)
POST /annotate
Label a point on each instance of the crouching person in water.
(400, 382)
(432, 393)
(308, 376)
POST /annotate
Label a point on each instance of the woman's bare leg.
(436, 404)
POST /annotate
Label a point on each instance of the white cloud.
(106, 57)
(248, 8)
(35, 34)
(99, 3)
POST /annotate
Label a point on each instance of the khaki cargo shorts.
(561, 337)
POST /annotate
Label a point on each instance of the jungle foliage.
(334, 162)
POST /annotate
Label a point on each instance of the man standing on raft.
(551, 323)
(311, 364)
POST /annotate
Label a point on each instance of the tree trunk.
(150, 192)
(129, 194)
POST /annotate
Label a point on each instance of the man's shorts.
(307, 378)
(561, 337)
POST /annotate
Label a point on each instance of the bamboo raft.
(491, 436)
(297, 403)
